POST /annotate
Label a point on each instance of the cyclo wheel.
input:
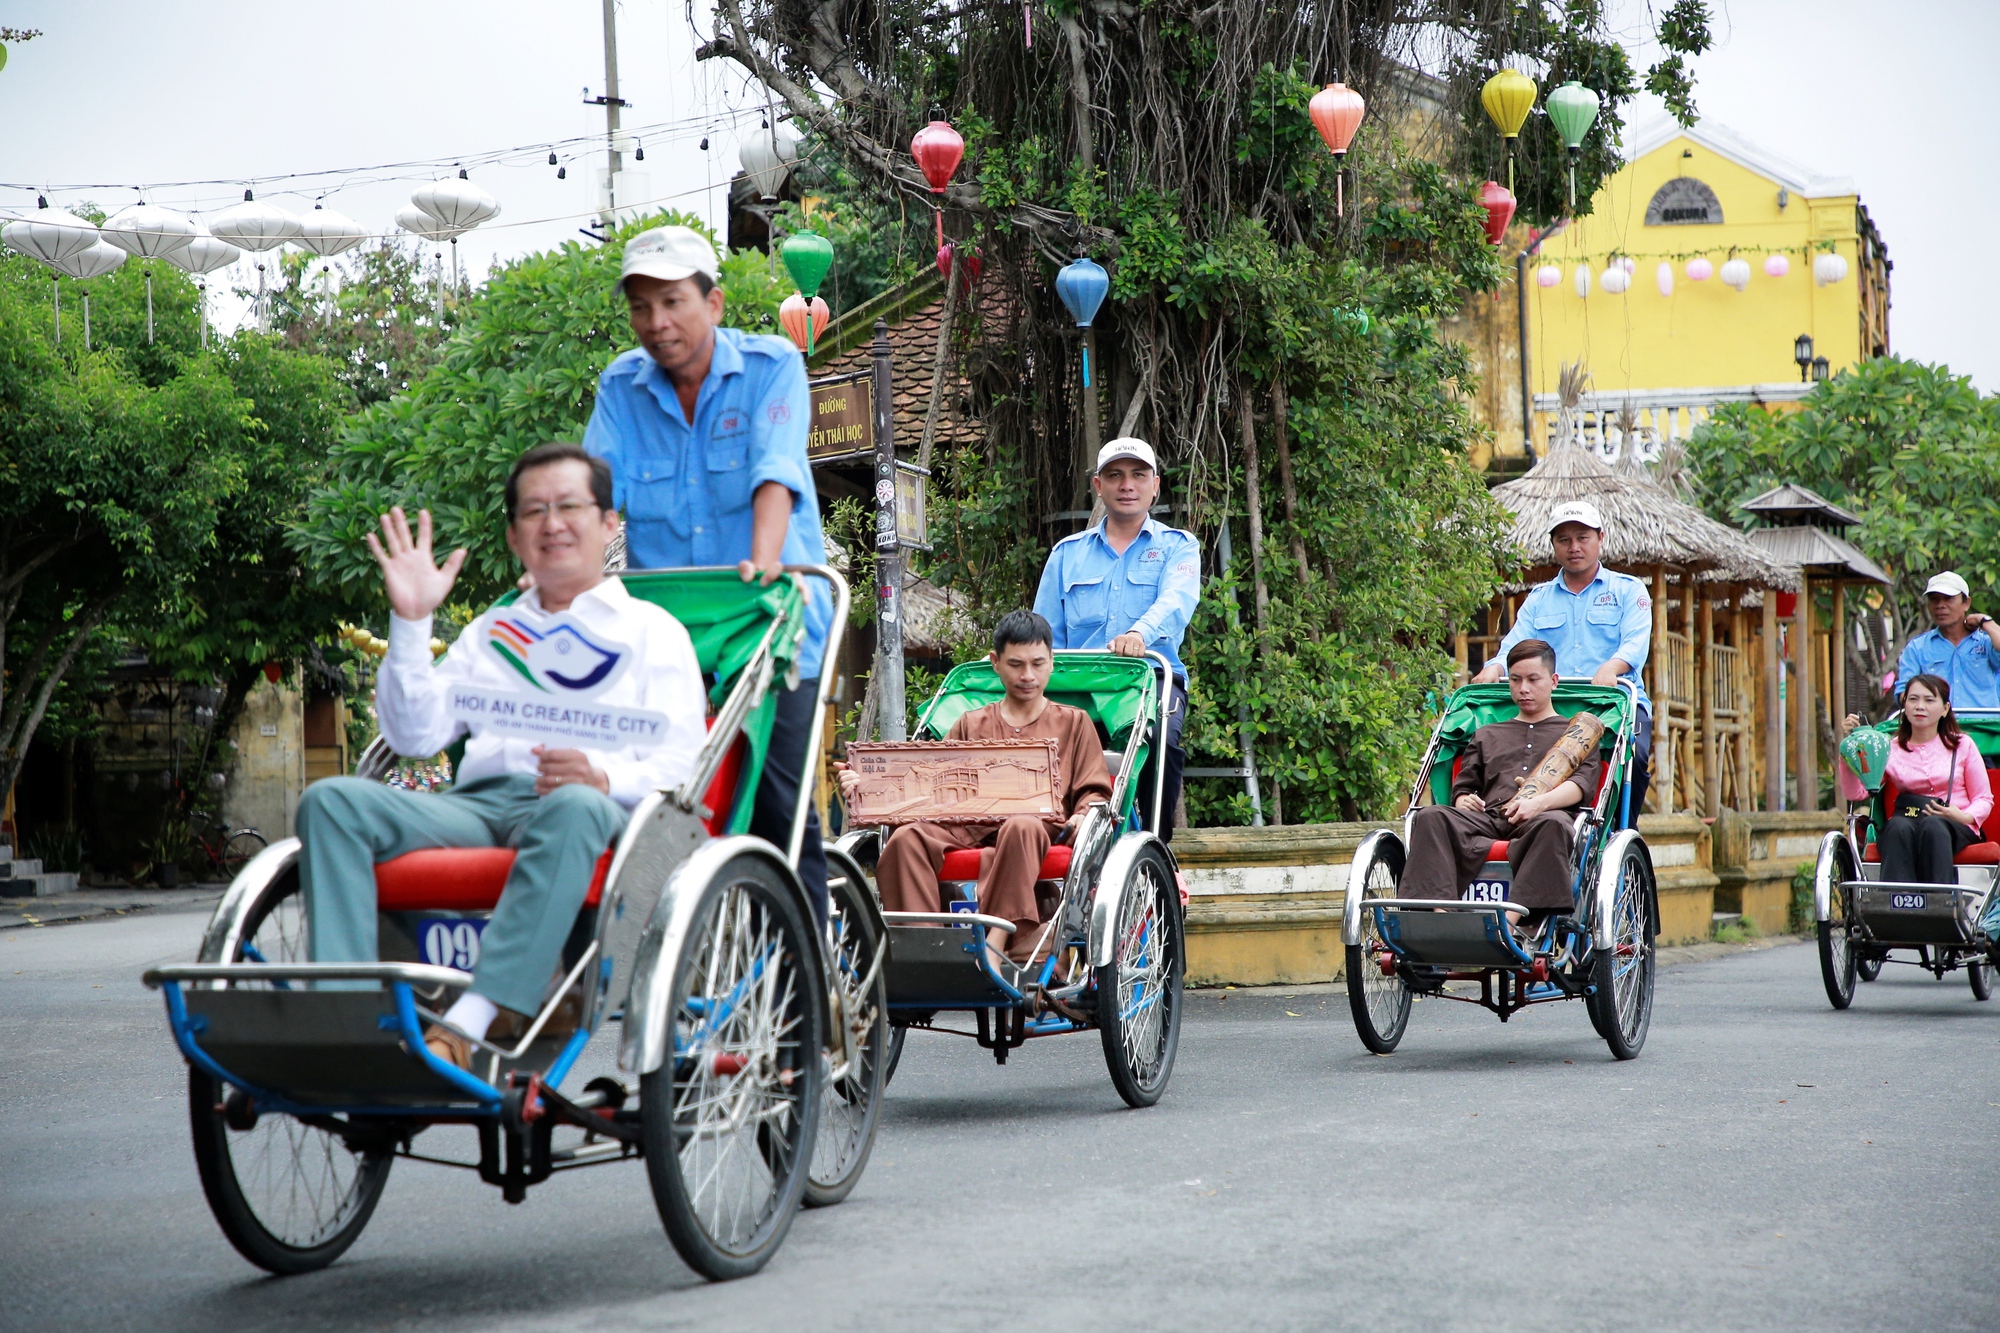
(729, 1119)
(1868, 968)
(1139, 990)
(851, 1103)
(1381, 1004)
(238, 851)
(1837, 964)
(291, 1197)
(897, 1036)
(1980, 973)
(1621, 992)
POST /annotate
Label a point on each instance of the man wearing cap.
(1963, 647)
(1600, 623)
(705, 430)
(1130, 584)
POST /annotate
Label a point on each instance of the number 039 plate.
(450, 941)
(1486, 891)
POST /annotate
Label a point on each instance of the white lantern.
(1700, 270)
(255, 226)
(1776, 266)
(1548, 275)
(1736, 273)
(1616, 279)
(92, 262)
(413, 219)
(767, 156)
(325, 231)
(1829, 268)
(1583, 279)
(1663, 276)
(456, 202)
(50, 235)
(204, 254)
(148, 231)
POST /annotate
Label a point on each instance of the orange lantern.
(793, 314)
(1336, 112)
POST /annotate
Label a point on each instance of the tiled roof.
(914, 311)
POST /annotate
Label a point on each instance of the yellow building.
(1704, 260)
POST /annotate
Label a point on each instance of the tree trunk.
(1280, 412)
(1253, 498)
(14, 741)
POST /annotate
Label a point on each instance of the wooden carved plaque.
(954, 782)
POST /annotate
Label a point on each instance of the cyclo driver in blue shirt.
(1599, 621)
(1129, 584)
(705, 431)
(1962, 646)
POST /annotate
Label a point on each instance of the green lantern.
(807, 256)
(1866, 754)
(1572, 109)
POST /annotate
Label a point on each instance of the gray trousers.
(348, 824)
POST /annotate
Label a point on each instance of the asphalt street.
(1765, 1164)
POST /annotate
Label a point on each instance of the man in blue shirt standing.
(705, 431)
(1964, 647)
(1599, 621)
(1129, 584)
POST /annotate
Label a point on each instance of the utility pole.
(890, 718)
(611, 102)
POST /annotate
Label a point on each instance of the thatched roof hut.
(1643, 524)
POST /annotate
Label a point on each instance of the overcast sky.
(1900, 97)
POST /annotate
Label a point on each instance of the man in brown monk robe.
(907, 872)
(1449, 843)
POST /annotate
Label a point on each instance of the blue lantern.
(1082, 284)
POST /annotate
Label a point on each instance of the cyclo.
(1862, 920)
(1602, 952)
(1117, 957)
(757, 1041)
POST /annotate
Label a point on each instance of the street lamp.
(1821, 369)
(1802, 353)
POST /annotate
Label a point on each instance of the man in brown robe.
(1449, 843)
(911, 862)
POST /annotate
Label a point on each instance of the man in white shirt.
(577, 651)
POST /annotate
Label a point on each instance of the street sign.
(843, 418)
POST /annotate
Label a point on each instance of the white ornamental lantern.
(254, 226)
(84, 265)
(204, 255)
(767, 156)
(1663, 277)
(457, 203)
(1829, 268)
(147, 231)
(1548, 275)
(1736, 273)
(1583, 279)
(1616, 279)
(325, 231)
(414, 220)
(1776, 266)
(49, 234)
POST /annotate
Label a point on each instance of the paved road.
(1765, 1164)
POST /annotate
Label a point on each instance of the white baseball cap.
(1127, 446)
(670, 254)
(1948, 583)
(1576, 511)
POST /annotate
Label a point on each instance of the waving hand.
(415, 584)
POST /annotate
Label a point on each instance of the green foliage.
(1914, 450)
(380, 328)
(520, 369)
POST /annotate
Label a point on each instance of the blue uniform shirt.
(1090, 594)
(1971, 667)
(1611, 617)
(686, 490)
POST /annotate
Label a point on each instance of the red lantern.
(793, 315)
(1498, 201)
(1336, 112)
(968, 269)
(938, 150)
(274, 672)
(1788, 605)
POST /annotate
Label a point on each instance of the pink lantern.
(1630, 264)
(1548, 275)
(1776, 266)
(1664, 277)
(1336, 112)
(793, 314)
(968, 268)
(1498, 201)
(1700, 270)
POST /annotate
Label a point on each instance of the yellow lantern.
(1508, 98)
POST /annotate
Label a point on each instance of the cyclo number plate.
(450, 941)
(1486, 891)
(1912, 901)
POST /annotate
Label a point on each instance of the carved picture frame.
(955, 782)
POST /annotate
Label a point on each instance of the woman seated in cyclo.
(1942, 795)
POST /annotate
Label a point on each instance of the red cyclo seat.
(1986, 853)
(1497, 852)
(964, 863)
(458, 879)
